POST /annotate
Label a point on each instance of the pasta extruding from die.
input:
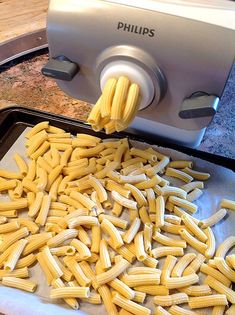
(117, 106)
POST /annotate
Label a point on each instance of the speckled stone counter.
(22, 83)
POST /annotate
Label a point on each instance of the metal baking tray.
(13, 121)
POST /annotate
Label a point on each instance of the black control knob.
(199, 105)
(60, 68)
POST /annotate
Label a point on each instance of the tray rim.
(40, 115)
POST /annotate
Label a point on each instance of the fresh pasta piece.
(17, 273)
(160, 311)
(139, 246)
(192, 241)
(215, 274)
(181, 164)
(132, 231)
(37, 128)
(62, 237)
(149, 183)
(195, 265)
(9, 227)
(127, 203)
(122, 288)
(52, 265)
(153, 289)
(160, 211)
(107, 299)
(26, 261)
(144, 215)
(182, 264)
(191, 186)
(8, 184)
(94, 298)
(178, 174)
(185, 204)
(165, 240)
(131, 107)
(224, 268)
(22, 284)
(172, 228)
(76, 270)
(220, 288)
(83, 250)
(89, 273)
(176, 310)
(139, 297)
(35, 142)
(67, 274)
(143, 270)
(111, 185)
(148, 233)
(104, 255)
(14, 256)
(207, 301)
(212, 220)
(211, 244)
(159, 166)
(197, 290)
(129, 305)
(63, 251)
(44, 210)
(180, 282)
(112, 273)
(112, 231)
(167, 250)
(151, 200)
(137, 194)
(167, 268)
(70, 292)
(229, 204)
(120, 223)
(32, 226)
(193, 227)
(119, 98)
(179, 212)
(225, 246)
(141, 279)
(96, 237)
(169, 300)
(194, 195)
(173, 191)
(19, 204)
(72, 302)
(36, 205)
(196, 174)
(23, 168)
(13, 237)
(230, 259)
(96, 184)
(82, 220)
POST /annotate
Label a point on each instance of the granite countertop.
(23, 84)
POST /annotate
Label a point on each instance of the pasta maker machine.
(180, 52)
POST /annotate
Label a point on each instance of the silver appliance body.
(187, 48)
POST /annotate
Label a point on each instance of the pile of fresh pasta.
(87, 210)
(117, 106)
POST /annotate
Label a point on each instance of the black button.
(60, 68)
